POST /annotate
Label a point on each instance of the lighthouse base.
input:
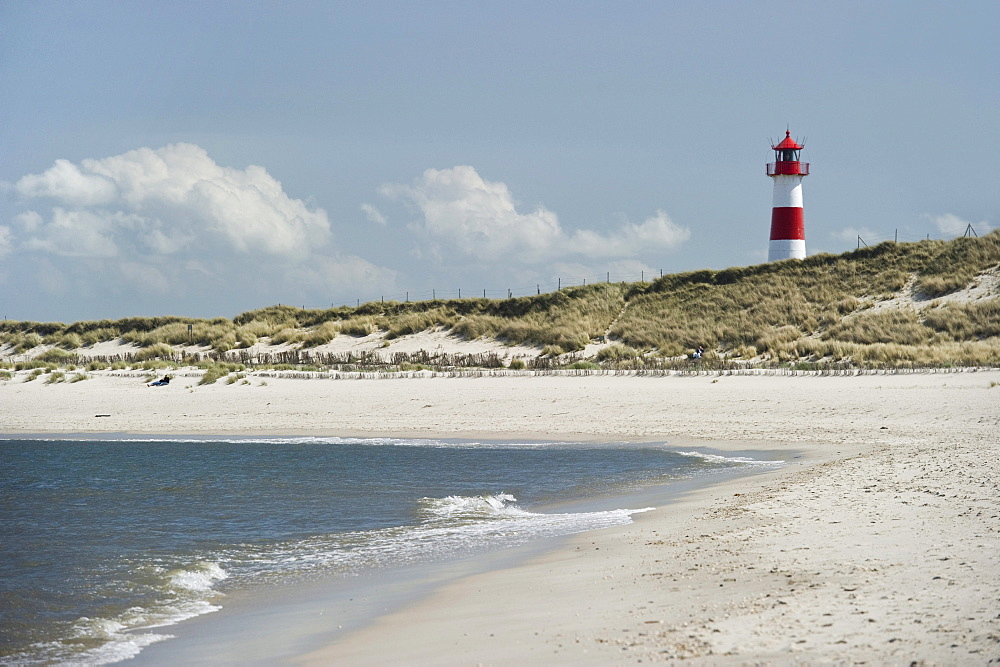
(780, 249)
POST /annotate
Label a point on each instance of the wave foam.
(187, 592)
(471, 508)
(200, 577)
(449, 526)
(732, 460)
(119, 647)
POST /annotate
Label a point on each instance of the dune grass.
(761, 310)
(217, 370)
(966, 321)
(875, 306)
(957, 264)
(566, 320)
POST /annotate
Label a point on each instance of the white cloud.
(77, 234)
(30, 221)
(657, 232)
(952, 225)
(172, 224)
(67, 183)
(463, 212)
(167, 199)
(372, 214)
(852, 233)
(476, 217)
(6, 241)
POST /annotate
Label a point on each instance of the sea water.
(106, 543)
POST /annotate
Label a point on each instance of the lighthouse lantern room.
(788, 233)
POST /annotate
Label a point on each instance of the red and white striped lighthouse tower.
(788, 231)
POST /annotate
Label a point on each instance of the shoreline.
(569, 602)
(881, 547)
(310, 616)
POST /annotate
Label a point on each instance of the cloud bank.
(164, 202)
(172, 221)
(153, 231)
(461, 212)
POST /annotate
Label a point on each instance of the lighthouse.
(788, 231)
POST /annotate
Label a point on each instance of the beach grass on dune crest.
(906, 304)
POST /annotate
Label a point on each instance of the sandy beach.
(878, 542)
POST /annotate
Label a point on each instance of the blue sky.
(208, 158)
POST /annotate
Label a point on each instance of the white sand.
(880, 546)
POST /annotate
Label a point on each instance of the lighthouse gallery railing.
(787, 168)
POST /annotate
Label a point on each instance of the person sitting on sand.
(161, 382)
(697, 353)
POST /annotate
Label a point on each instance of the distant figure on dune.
(697, 353)
(165, 380)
